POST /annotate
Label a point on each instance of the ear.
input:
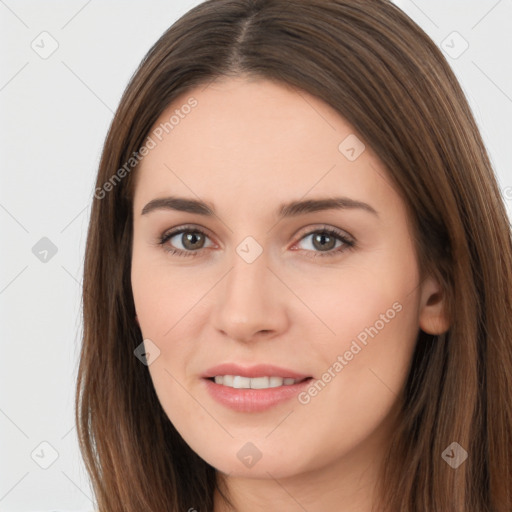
(433, 315)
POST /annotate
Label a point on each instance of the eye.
(324, 242)
(327, 242)
(192, 240)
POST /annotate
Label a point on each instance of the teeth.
(238, 382)
(275, 382)
(241, 382)
(259, 383)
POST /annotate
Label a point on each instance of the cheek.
(171, 310)
(164, 295)
(373, 318)
(167, 305)
(373, 299)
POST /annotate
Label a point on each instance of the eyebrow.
(291, 209)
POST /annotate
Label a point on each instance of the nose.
(250, 302)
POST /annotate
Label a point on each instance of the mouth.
(253, 389)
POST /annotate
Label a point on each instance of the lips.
(253, 400)
(260, 370)
(231, 385)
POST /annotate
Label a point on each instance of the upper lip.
(259, 370)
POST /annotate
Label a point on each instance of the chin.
(245, 460)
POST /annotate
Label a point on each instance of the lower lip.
(253, 400)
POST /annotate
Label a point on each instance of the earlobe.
(433, 316)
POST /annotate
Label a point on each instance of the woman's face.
(260, 291)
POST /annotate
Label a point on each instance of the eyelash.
(348, 244)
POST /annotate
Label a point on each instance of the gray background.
(54, 113)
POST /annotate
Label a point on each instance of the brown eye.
(192, 240)
(326, 242)
(323, 241)
(187, 241)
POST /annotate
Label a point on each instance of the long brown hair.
(383, 74)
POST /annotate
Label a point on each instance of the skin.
(249, 146)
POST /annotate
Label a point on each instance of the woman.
(297, 285)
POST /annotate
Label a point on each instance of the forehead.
(254, 138)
